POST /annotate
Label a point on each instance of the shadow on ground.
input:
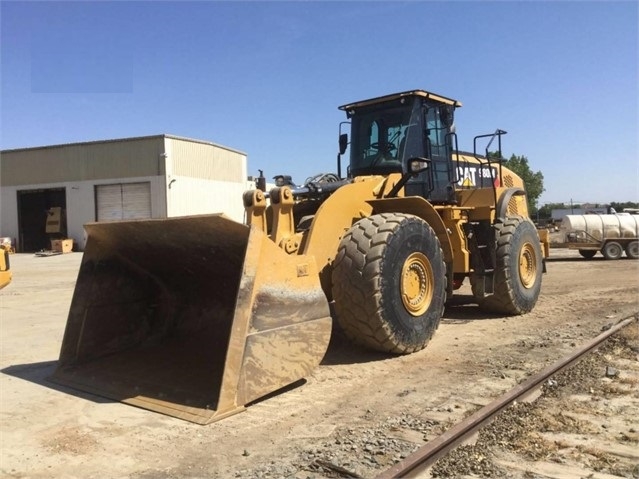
(341, 351)
(38, 373)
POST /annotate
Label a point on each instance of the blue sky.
(266, 78)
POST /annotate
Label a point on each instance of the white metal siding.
(123, 201)
(194, 196)
(205, 161)
(125, 158)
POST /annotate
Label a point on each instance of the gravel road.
(359, 411)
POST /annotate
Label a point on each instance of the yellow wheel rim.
(527, 266)
(417, 284)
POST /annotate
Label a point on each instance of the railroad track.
(562, 423)
(620, 459)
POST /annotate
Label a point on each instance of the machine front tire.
(612, 250)
(389, 283)
(518, 269)
(588, 253)
(632, 250)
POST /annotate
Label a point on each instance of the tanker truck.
(611, 234)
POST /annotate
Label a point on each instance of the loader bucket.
(193, 317)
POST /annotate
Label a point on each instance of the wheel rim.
(613, 250)
(527, 266)
(417, 284)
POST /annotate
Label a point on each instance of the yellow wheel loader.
(242, 310)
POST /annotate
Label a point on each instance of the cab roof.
(395, 96)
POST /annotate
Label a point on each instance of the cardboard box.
(62, 245)
(6, 242)
(54, 220)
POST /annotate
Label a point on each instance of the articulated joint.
(283, 232)
(255, 207)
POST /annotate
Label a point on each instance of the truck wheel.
(518, 269)
(632, 250)
(389, 283)
(588, 253)
(612, 250)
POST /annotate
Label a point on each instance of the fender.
(502, 205)
(418, 206)
(359, 200)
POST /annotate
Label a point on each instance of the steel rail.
(438, 447)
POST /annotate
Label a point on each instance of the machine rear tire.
(612, 250)
(518, 269)
(588, 253)
(389, 283)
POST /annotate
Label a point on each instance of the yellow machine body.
(367, 196)
(196, 317)
(5, 267)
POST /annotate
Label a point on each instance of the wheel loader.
(196, 317)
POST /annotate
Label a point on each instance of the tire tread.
(360, 256)
(503, 300)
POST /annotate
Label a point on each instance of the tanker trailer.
(611, 234)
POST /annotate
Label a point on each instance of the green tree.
(545, 211)
(533, 180)
(620, 206)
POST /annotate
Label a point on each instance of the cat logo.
(476, 176)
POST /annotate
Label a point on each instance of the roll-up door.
(123, 201)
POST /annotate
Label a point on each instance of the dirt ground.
(51, 431)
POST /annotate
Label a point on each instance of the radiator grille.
(513, 206)
(508, 181)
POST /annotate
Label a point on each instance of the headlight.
(418, 165)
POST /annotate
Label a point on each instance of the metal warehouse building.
(132, 178)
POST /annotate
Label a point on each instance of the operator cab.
(388, 131)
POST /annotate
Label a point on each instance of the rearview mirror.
(343, 143)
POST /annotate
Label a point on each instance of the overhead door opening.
(33, 214)
(123, 201)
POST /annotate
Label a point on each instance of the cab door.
(436, 184)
